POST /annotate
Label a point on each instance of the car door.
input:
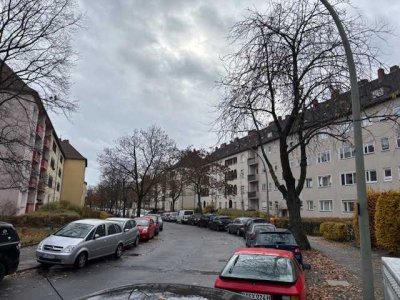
(135, 229)
(129, 234)
(112, 239)
(98, 244)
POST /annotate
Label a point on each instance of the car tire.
(3, 271)
(118, 251)
(136, 242)
(81, 260)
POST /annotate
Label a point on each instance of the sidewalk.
(348, 257)
(27, 259)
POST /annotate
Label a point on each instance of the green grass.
(32, 236)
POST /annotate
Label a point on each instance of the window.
(101, 230)
(269, 148)
(310, 204)
(387, 174)
(242, 174)
(111, 229)
(369, 148)
(347, 152)
(50, 182)
(219, 205)
(324, 157)
(348, 206)
(242, 158)
(61, 159)
(309, 183)
(378, 93)
(231, 161)
(324, 181)
(128, 225)
(59, 172)
(58, 187)
(52, 164)
(398, 142)
(385, 144)
(270, 184)
(325, 205)
(242, 189)
(54, 147)
(348, 178)
(264, 186)
(370, 176)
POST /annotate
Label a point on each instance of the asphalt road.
(180, 254)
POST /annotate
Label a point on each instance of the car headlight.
(69, 249)
(40, 246)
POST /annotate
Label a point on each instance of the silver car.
(80, 241)
(130, 230)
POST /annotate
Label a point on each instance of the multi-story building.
(330, 186)
(74, 186)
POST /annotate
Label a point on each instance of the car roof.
(91, 221)
(119, 219)
(264, 251)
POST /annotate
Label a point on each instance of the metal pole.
(365, 237)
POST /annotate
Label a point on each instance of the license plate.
(257, 296)
(45, 255)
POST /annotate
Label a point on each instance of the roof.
(90, 221)
(70, 152)
(264, 251)
(119, 219)
(338, 106)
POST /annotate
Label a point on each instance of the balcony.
(39, 130)
(46, 143)
(251, 161)
(33, 182)
(42, 187)
(44, 165)
(252, 195)
(252, 177)
(36, 156)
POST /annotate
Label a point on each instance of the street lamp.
(365, 238)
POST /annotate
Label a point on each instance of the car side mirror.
(306, 267)
(96, 236)
(126, 229)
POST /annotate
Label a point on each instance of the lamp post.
(365, 238)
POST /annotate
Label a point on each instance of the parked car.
(173, 216)
(219, 223)
(257, 227)
(9, 249)
(205, 219)
(183, 216)
(146, 227)
(130, 230)
(193, 219)
(80, 241)
(261, 273)
(249, 223)
(165, 216)
(280, 239)
(237, 226)
(157, 220)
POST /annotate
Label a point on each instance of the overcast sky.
(144, 62)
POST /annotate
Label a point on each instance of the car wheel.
(2, 271)
(118, 251)
(81, 260)
(136, 242)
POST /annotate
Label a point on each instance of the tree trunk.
(138, 207)
(200, 210)
(295, 225)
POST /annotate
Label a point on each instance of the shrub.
(387, 221)
(209, 209)
(372, 197)
(334, 231)
(236, 213)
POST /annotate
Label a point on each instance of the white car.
(183, 215)
(80, 241)
(130, 230)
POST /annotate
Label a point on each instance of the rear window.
(7, 234)
(187, 213)
(276, 238)
(260, 267)
(142, 222)
(260, 228)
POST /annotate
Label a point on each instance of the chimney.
(394, 68)
(381, 74)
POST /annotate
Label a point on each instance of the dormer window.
(378, 93)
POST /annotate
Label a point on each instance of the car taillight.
(297, 250)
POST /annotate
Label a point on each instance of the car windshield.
(276, 238)
(260, 267)
(141, 222)
(188, 213)
(75, 230)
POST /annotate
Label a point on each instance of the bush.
(372, 197)
(387, 221)
(41, 220)
(236, 213)
(209, 209)
(335, 231)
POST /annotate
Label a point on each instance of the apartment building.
(330, 187)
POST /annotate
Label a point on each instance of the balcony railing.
(44, 165)
(251, 161)
(252, 177)
(252, 195)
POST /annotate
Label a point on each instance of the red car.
(265, 274)
(147, 228)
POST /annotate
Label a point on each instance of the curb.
(27, 269)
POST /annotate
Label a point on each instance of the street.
(180, 254)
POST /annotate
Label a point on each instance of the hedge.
(387, 221)
(335, 231)
(372, 197)
(236, 213)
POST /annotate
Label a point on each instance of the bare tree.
(201, 173)
(142, 157)
(35, 59)
(288, 61)
(175, 184)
